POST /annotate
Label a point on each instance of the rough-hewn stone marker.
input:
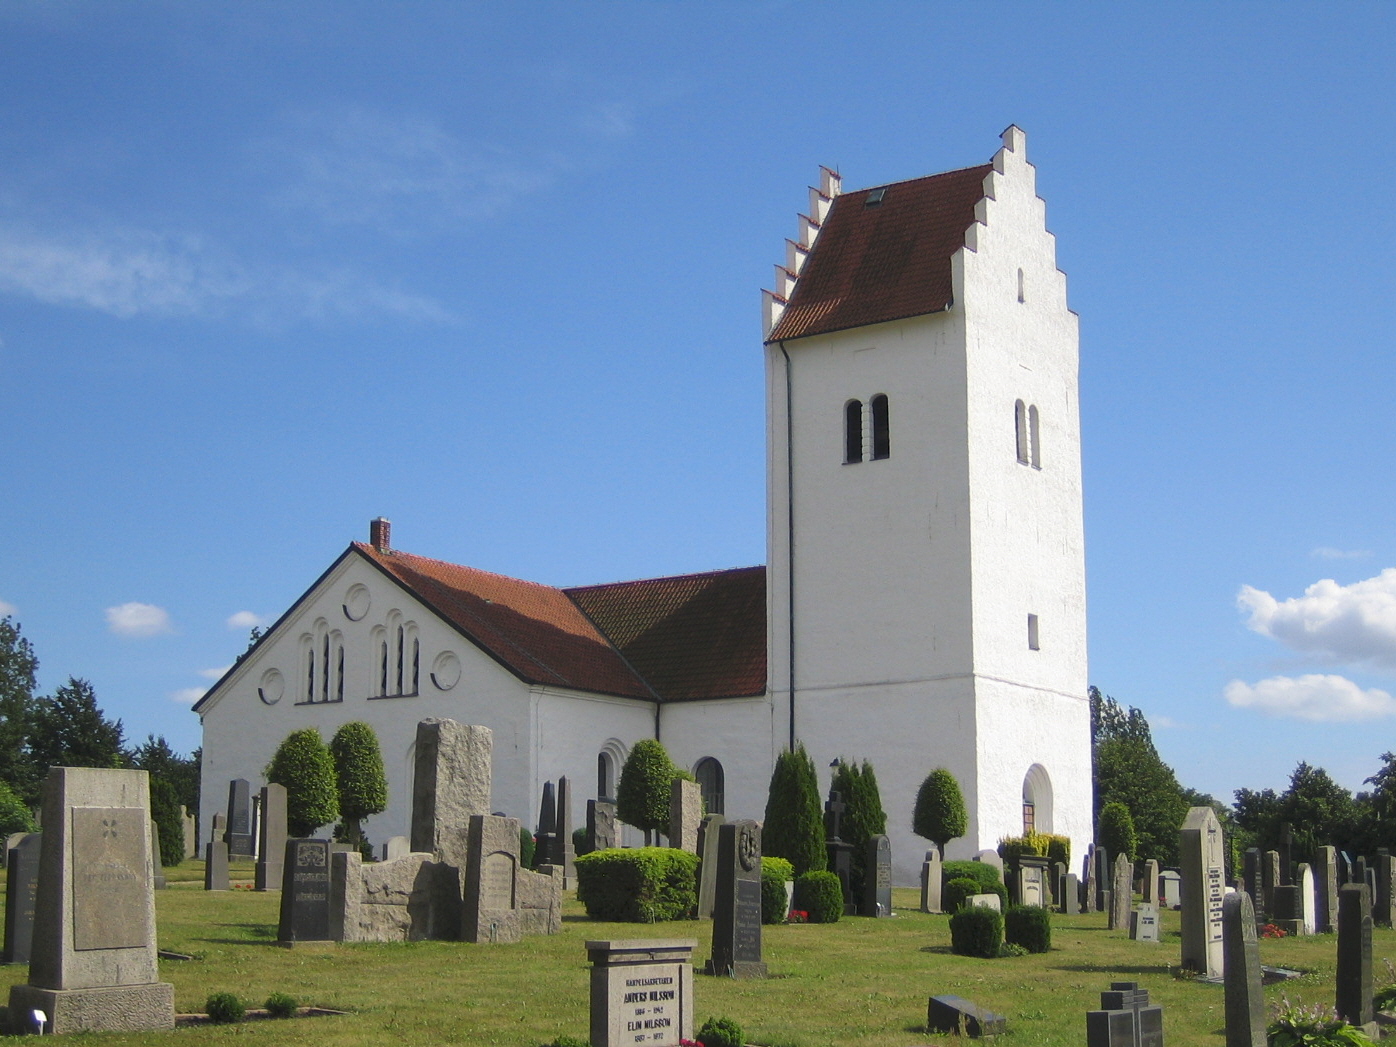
(239, 832)
(93, 964)
(685, 814)
(601, 824)
(641, 992)
(1245, 1002)
(1143, 923)
(216, 866)
(1326, 890)
(407, 899)
(191, 833)
(1121, 892)
(271, 838)
(305, 893)
(931, 875)
(1150, 892)
(1202, 886)
(491, 901)
(707, 865)
(877, 877)
(1125, 1019)
(1354, 981)
(956, 1014)
(451, 782)
(21, 894)
(736, 950)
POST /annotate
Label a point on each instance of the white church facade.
(923, 604)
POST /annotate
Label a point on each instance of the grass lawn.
(859, 981)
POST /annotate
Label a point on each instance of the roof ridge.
(460, 567)
(989, 165)
(569, 589)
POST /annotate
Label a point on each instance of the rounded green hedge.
(638, 885)
(954, 893)
(820, 894)
(1029, 926)
(775, 873)
(976, 931)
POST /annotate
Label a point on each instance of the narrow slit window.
(399, 659)
(853, 432)
(881, 429)
(310, 674)
(325, 671)
(416, 662)
(339, 677)
(1020, 430)
(383, 668)
(1035, 436)
(1033, 644)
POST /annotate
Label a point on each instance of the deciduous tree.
(940, 814)
(642, 796)
(303, 765)
(363, 787)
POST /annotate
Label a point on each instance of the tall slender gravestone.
(1200, 854)
(1251, 873)
(305, 893)
(549, 850)
(1088, 880)
(1326, 889)
(1308, 898)
(685, 814)
(1354, 981)
(877, 877)
(1071, 889)
(931, 874)
(1121, 892)
(1150, 893)
(1058, 885)
(1245, 1002)
(240, 840)
(190, 827)
(216, 866)
(93, 965)
(601, 824)
(21, 893)
(736, 950)
(1285, 854)
(271, 842)
(707, 865)
(564, 833)
(1103, 877)
(1382, 915)
(840, 853)
(451, 781)
(1269, 879)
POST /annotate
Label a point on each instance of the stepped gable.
(533, 630)
(691, 637)
(875, 261)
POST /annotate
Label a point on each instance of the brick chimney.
(380, 533)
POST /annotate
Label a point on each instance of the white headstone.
(1201, 855)
(1308, 899)
(987, 901)
(1143, 923)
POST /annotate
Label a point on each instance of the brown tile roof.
(889, 261)
(675, 639)
(691, 637)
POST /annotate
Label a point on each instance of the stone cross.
(833, 815)
(1354, 981)
(685, 813)
(1245, 1002)
(641, 992)
(451, 781)
(736, 951)
(931, 875)
(240, 838)
(1326, 889)
(840, 853)
(93, 965)
(271, 837)
(1201, 856)
(21, 894)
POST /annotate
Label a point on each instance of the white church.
(923, 604)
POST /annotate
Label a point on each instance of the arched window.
(308, 653)
(881, 431)
(853, 432)
(605, 776)
(1037, 800)
(1020, 430)
(710, 782)
(1035, 437)
(398, 661)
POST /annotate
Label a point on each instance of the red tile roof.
(888, 261)
(674, 639)
(691, 637)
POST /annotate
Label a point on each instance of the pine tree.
(304, 766)
(363, 787)
(642, 797)
(863, 817)
(69, 730)
(165, 813)
(940, 814)
(794, 825)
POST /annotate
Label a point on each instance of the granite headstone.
(21, 893)
(271, 838)
(1201, 856)
(1354, 979)
(239, 832)
(736, 950)
(305, 892)
(1245, 1002)
(641, 992)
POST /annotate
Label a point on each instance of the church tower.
(926, 600)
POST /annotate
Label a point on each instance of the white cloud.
(138, 619)
(214, 674)
(246, 620)
(188, 695)
(1340, 623)
(1165, 723)
(7, 609)
(1327, 552)
(1315, 697)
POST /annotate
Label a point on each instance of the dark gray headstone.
(1381, 914)
(216, 866)
(1245, 1002)
(568, 857)
(601, 824)
(21, 891)
(1287, 904)
(1088, 884)
(1354, 981)
(1150, 882)
(549, 850)
(736, 950)
(1285, 854)
(1251, 871)
(877, 877)
(1344, 868)
(1103, 876)
(220, 827)
(1359, 871)
(840, 853)
(271, 838)
(1125, 1019)
(1058, 883)
(1269, 879)
(1326, 890)
(707, 865)
(240, 839)
(305, 892)
(956, 1014)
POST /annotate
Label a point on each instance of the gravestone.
(1071, 893)
(1354, 980)
(1382, 915)
(1359, 871)
(1150, 892)
(490, 894)
(1308, 908)
(1058, 882)
(305, 893)
(1245, 1002)
(564, 832)
(877, 877)
(1103, 877)
(986, 901)
(396, 847)
(190, 828)
(220, 827)
(707, 865)
(1286, 911)
(840, 853)
(216, 866)
(406, 899)
(158, 868)
(1269, 879)
(1121, 892)
(1143, 923)
(991, 857)
(92, 964)
(1326, 890)
(1032, 881)
(1088, 880)
(1168, 888)
(601, 824)
(641, 992)
(1251, 874)
(736, 951)
(685, 814)
(451, 781)
(1201, 856)
(958, 1015)
(931, 874)
(21, 893)
(1285, 855)
(1344, 869)
(239, 832)
(549, 848)
(1125, 1019)
(271, 838)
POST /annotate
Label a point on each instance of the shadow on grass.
(1115, 968)
(257, 934)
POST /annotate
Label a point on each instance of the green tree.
(69, 730)
(304, 766)
(169, 819)
(1116, 833)
(15, 816)
(642, 796)
(940, 814)
(17, 668)
(794, 825)
(155, 757)
(358, 765)
(863, 817)
(1128, 770)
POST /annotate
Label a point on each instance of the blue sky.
(493, 271)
